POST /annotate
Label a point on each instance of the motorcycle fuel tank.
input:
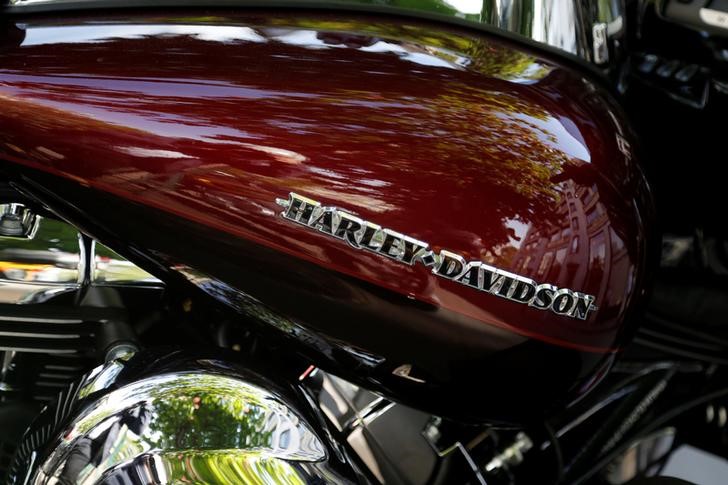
(451, 218)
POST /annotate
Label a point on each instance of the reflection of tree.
(473, 130)
(204, 427)
(193, 436)
(211, 430)
(208, 421)
(482, 55)
(508, 157)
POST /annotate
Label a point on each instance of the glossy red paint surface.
(462, 141)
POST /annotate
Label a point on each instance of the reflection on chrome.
(565, 24)
(41, 257)
(584, 29)
(41, 264)
(195, 426)
(110, 267)
(18, 221)
(643, 458)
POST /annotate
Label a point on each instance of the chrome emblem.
(361, 234)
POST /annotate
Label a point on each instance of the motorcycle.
(362, 241)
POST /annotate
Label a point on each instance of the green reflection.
(481, 54)
(205, 428)
(52, 234)
(110, 267)
(51, 256)
(193, 412)
(204, 421)
(228, 466)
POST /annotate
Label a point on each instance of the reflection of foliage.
(469, 127)
(434, 6)
(51, 234)
(208, 421)
(484, 141)
(204, 426)
(482, 55)
(503, 63)
(228, 467)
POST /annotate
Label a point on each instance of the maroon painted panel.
(463, 141)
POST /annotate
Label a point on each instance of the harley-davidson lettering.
(361, 234)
